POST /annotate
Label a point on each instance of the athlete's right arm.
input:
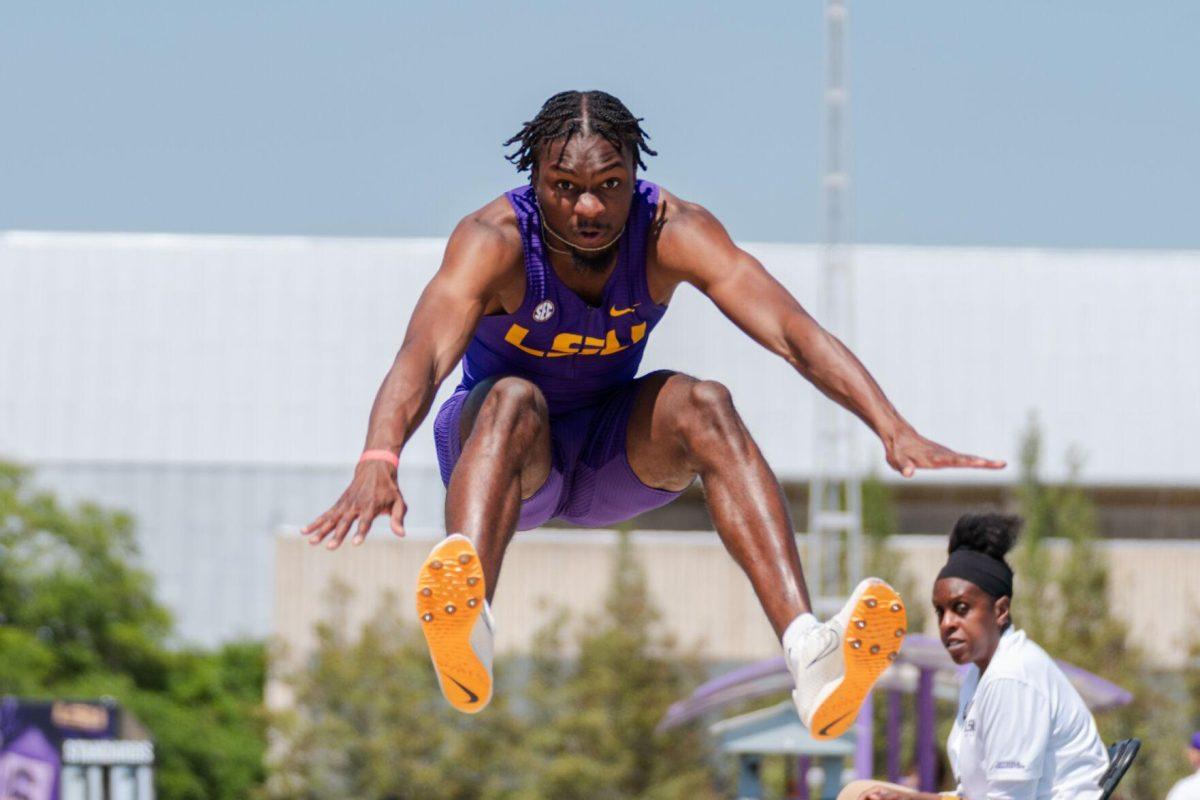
(478, 256)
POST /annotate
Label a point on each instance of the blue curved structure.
(923, 668)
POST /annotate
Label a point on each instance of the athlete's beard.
(592, 263)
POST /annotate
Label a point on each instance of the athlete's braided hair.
(568, 113)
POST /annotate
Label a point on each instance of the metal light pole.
(835, 490)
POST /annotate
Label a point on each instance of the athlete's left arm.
(692, 246)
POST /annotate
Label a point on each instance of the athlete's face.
(970, 620)
(584, 189)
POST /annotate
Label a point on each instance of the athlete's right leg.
(506, 458)
(504, 431)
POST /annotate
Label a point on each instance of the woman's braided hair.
(568, 113)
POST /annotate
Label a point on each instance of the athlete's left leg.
(681, 427)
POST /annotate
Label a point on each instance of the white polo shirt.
(1186, 789)
(1023, 732)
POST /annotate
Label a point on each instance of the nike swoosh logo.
(471, 696)
(829, 648)
(825, 731)
(613, 311)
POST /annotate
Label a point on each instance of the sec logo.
(544, 311)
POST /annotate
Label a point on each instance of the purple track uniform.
(584, 359)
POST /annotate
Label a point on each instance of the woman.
(1021, 731)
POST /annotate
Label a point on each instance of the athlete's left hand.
(908, 451)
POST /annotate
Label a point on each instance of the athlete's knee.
(516, 392)
(711, 398)
(709, 409)
(709, 421)
(513, 406)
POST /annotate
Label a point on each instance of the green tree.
(369, 722)
(882, 560)
(1065, 600)
(596, 738)
(1191, 682)
(1062, 601)
(68, 578)
(879, 526)
(78, 619)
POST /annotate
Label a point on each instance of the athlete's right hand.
(372, 492)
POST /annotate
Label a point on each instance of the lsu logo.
(575, 344)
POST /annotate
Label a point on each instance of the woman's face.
(970, 620)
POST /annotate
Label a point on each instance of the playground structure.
(923, 670)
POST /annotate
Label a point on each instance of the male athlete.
(548, 295)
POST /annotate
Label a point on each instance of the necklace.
(551, 247)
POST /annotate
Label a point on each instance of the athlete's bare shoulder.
(685, 238)
(491, 232)
(485, 249)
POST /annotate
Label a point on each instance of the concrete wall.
(705, 599)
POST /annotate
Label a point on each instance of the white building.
(218, 387)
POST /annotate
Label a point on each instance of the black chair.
(1120, 756)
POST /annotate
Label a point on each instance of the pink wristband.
(380, 455)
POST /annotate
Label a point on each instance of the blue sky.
(1021, 123)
